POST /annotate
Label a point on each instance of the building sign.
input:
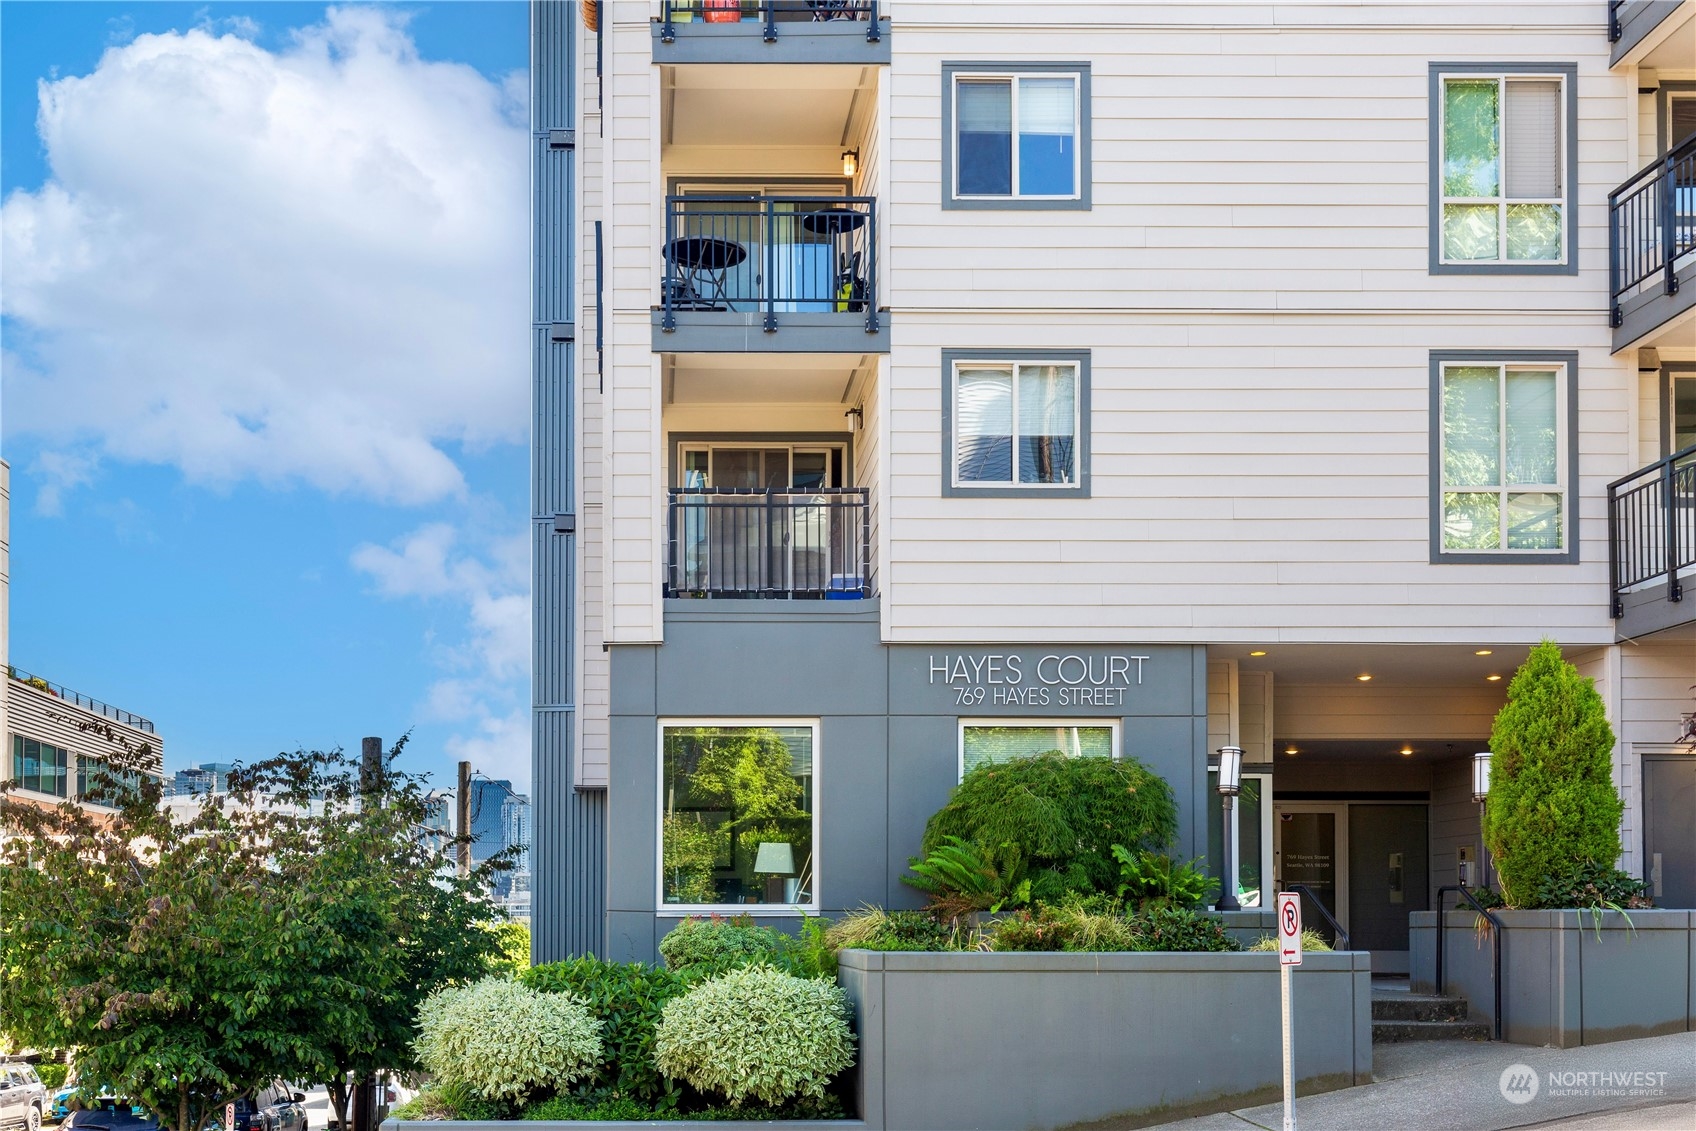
(1056, 679)
(1087, 681)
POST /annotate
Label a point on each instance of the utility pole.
(462, 824)
(370, 766)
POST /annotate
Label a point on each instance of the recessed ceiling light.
(1407, 751)
(1493, 678)
(1484, 652)
(1257, 653)
(1364, 678)
(1291, 750)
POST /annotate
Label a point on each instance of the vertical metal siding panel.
(569, 854)
(555, 249)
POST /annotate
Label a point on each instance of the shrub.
(1552, 806)
(627, 999)
(438, 1103)
(1594, 886)
(1054, 819)
(872, 928)
(757, 1034)
(590, 1107)
(501, 1041)
(712, 946)
(960, 880)
(1151, 879)
(1311, 940)
(1092, 924)
(52, 1076)
(1174, 928)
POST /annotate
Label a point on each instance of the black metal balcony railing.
(767, 15)
(735, 542)
(773, 254)
(1615, 28)
(1652, 224)
(1652, 526)
(79, 699)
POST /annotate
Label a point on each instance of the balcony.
(755, 274)
(1652, 246)
(753, 544)
(1652, 540)
(771, 31)
(1642, 34)
(86, 702)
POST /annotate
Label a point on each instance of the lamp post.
(1481, 794)
(1230, 784)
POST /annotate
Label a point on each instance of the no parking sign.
(1289, 928)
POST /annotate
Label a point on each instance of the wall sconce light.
(850, 162)
(856, 417)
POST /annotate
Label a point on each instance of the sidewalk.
(1457, 1086)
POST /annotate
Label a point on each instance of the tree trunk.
(338, 1098)
(182, 1106)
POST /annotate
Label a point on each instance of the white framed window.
(1502, 168)
(1503, 457)
(984, 741)
(1016, 135)
(1016, 423)
(738, 819)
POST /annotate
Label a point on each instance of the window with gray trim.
(1015, 135)
(1503, 164)
(1504, 434)
(1015, 422)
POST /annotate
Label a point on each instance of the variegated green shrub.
(503, 1041)
(756, 1033)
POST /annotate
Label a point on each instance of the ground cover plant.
(1551, 821)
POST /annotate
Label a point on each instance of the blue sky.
(265, 370)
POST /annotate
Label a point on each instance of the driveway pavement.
(1644, 1085)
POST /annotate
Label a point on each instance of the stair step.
(1417, 1007)
(1388, 1032)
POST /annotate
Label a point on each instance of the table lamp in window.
(774, 860)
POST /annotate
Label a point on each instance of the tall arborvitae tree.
(1553, 808)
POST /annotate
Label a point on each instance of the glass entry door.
(778, 537)
(1311, 848)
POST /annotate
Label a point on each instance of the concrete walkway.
(1457, 1086)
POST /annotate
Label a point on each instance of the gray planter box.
(958, 1042)
(1564, 983)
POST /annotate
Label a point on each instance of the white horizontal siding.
(47, 718)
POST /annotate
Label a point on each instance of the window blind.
(985, 107)
(1532, 139)
(1047, 106)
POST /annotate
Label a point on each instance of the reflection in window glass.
(1251, 853)
(736, 825)
(1502, 169)
(988, 744)
(1500, 430)
(39, 766)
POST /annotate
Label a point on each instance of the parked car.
(108, 1114)
(274, 1107)
(23, 1099)
(67, 1100)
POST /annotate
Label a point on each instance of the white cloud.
(485, 680)
(296, 266)
(500, 748)
(59, 472)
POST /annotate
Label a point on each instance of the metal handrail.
(772, 13)
(1614, 28)
(1652, 527)
(709, 239)
(86, 702)
(1647, 231)
(769, 543)
(1336, 927)
(1495, 946)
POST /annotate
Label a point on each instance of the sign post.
(229, 1117)
(1289, 957)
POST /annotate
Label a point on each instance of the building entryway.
(1669, 851)
(1367, 861)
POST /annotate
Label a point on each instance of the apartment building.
(62, 745)
(924, 384)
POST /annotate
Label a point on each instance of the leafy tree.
(290, 931)
(512, 941)
(1054, 820)
(1552, 809)
(745, 773)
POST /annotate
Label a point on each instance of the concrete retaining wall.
(959, 1042)
(1564, 983)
